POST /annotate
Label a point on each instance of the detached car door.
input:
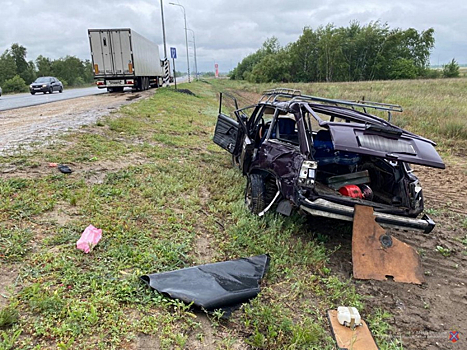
(227, 130)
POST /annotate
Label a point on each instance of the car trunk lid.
(392, 144)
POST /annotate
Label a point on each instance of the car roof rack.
(292, 95)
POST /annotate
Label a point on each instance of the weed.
(8, 340)
(273, 327)
(14, 243)
(8, 317)
(382, 331)
(443, 251)
(431, 211)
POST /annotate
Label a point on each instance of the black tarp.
(222, 285)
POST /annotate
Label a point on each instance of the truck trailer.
(123, 58)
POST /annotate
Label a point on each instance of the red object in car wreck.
(352, 191)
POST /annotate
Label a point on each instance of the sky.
(225, 31)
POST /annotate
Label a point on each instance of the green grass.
(170, 186)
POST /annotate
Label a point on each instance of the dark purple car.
(323, 156)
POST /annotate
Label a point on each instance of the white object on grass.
(348, 316)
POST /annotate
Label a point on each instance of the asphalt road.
(26, 99)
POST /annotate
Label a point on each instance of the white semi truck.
(123, 58)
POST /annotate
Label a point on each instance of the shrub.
(432, 74)
(15, 84)
(451, 70)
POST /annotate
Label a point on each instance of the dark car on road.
(324, 156)
(46, 84)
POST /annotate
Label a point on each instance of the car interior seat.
(286, 130)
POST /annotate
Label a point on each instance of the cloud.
(225, 31)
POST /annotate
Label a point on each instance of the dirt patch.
(423, 315)
(147, 342)
(93, 172)
(212, 337)
(19, 128)
(61, 215)
(202, 338)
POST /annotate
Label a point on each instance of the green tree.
(7, 67)
(403, 68)
(244, 68)
(88, 75)
(331, 53)
(44, 66)
(303, 57)
(71, 70)
(451, 70)
(24, 69)
(274, 67)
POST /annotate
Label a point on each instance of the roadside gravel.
(19, 128)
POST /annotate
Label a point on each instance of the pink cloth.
(90, 237)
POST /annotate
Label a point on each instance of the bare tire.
(255, 193)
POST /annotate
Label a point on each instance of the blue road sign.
(173, 52)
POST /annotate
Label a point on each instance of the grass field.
(166, 198)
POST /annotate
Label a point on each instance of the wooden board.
(359, 338)
(372, 260)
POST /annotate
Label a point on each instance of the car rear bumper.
(323, 207)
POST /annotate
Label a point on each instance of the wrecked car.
(323, 156)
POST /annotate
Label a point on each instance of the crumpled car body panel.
(221, 285)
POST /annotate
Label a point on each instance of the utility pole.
(194, 47)
(186, 39)
(163, 30)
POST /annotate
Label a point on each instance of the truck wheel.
(255, 193)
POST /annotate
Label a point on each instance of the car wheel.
(61, 90)
(33, 92)
(51, 90)
(255, 193)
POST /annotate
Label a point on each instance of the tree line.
(354, 53)
(16, 73)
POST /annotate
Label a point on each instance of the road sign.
(173, 52)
